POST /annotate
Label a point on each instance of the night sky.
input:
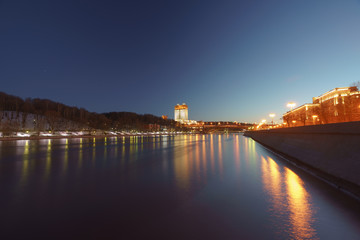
(228, 60)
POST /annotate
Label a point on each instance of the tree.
(53, 119)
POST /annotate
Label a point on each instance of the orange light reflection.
(220, 155)
(181, 166)
(204, 157)
(212, 154)
(237, 153)
(301, 213)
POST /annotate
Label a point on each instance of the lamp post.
(272, 115)
(291, 105)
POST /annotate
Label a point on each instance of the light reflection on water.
(290, 202)
(25, 163)
(301, 212)
(195, 177)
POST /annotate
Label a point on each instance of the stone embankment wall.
(331, 151)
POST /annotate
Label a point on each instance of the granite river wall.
(330, 151)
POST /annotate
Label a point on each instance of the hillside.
(17, 114)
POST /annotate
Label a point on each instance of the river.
(219, 186)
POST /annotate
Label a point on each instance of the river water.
(168, 187)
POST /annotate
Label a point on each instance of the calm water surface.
(169, 187)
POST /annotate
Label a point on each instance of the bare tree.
(355, 84)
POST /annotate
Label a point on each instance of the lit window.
(336, 113)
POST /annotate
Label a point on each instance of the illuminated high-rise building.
(181, 113)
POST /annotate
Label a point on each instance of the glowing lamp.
(291, 105)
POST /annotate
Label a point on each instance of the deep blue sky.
(228, 60)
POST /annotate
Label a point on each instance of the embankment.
(331, 151)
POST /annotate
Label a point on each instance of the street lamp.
(272, 115)
(291, 105)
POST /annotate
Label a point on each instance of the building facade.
(181, 113)
(337, 105)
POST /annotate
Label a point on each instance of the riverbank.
(328, 151)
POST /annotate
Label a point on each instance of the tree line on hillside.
(55, 111)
